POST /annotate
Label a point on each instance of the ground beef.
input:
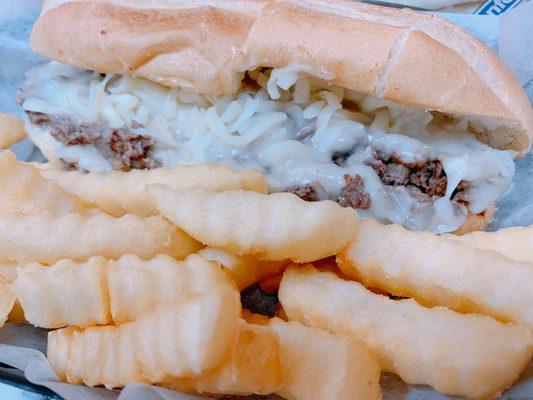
(427, 176)
(395, 174)
(65, 131)
(122, 147)
(438, 187)
(379, 166)
(259, 302)
(127, 149)
(424, 180)
(417, 194)
(431, 178)
(459, 193)
(306, 192)
(353, 194)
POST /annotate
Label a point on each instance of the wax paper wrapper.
(23, 346)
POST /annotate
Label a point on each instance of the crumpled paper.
(22, 346)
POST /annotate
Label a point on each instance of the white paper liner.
(38, 371)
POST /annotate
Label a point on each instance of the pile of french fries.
(138, 274)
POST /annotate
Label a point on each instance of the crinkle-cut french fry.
(246, 269)
(8, 272)
(348, 368)
(119, 192)
(102, 291)
(7, 300)
(137, 285)
(515, 242)
(180, 339)
(251, 367)
(11, 130)
(67, 293)
(317, 365)
(461, 354)
(272, 227)
(438, 271)
(24, 191)
(45, 238)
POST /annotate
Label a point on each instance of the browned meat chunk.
(379, 166)
(417, 194)
(431, 178)
(354, 194)
(306, 192)
(459, 193)
(395, 175)
(64, 130)
(438, 187)
(427, 177)
(122, 147)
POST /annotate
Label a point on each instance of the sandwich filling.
(395, 163)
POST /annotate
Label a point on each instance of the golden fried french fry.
(47, 239)
(515, 242)
(272, 227)
(467, 355)
(246, 269)
(24, 191)
(11, 130)
(119, 193)
(7, 300)
(67, 293)
(348, 368)
(251, 367)
(137, 285)
(438, 271)
(102, 291)
(317, 365)
(182, 339)
(8, 272)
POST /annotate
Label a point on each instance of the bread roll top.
(205, 46)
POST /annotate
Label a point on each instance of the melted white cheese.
(289, 129)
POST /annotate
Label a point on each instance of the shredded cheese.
(291, 128)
